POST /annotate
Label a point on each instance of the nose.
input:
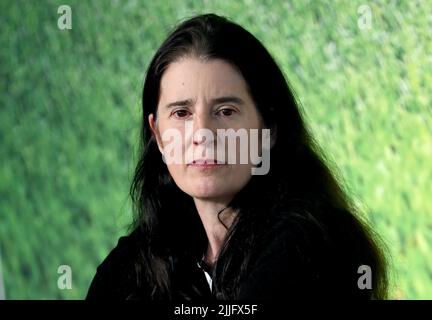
(204, 128)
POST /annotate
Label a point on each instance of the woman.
(208, 228)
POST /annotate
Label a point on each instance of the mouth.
(206, 163)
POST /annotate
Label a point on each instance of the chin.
(208, 193)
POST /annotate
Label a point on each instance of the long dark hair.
(299, 187)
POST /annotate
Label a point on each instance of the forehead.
(189, 77)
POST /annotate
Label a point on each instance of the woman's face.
(195, 95)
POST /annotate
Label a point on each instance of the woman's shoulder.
(301, 255)
(116, 276)
(314, 222)
(320, 237)
(123, 252)
(295, 226)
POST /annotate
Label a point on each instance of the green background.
(70, 114)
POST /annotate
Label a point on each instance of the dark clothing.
(116, 277)
(289, 265)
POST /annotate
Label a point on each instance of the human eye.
(226, 112)
(181, 113)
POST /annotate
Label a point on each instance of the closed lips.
(206, 161)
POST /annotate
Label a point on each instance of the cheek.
(177, 172)
(171, 132)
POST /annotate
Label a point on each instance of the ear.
(155, 131)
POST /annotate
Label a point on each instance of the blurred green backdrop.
(70, 111)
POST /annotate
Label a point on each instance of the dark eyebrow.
(220, 100)
(228, 99)
(180, 103)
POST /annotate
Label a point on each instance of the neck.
(215, 230)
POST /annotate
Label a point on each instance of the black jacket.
(289, 266)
